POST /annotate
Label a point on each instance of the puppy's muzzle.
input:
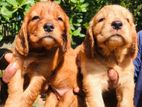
(115, 41)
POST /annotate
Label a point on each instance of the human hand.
(113, 77)
(10, 69)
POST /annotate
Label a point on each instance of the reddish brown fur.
(44, 57)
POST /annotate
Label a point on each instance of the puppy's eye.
(35, 18)
(60, 18)
(101, 19)
(128, 20)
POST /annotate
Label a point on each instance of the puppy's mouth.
(47, 37)
(48, 41)
(115, 41)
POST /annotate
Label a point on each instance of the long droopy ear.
(67, 25)
(22, 45)
(67, 38)
(89, 41)
(134, 45)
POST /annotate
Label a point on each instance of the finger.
(76, 90)
(9, 72)
(112, 75)
(8, 57)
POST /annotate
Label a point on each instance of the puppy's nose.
(48, 27)
(116, 25)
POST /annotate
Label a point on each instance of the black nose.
(48, 27)
(116, 25)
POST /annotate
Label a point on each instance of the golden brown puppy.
(110, 44)
(43, 52)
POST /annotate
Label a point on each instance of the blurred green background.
(80, 13)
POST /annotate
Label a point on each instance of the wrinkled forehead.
(114, 11)
(46, 9)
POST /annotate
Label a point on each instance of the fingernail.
(5, 79)
(76, 90)
(8, 56)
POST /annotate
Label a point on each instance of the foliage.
(10, 7)
(11, 14)
(80, 13)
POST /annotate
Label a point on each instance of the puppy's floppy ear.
(22, 45)
(89, 41)
(134, 45)
(67, 38)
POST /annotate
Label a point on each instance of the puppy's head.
(112, 28)
(45, 26)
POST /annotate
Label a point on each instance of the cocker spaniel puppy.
(44, 55)
(110, 44)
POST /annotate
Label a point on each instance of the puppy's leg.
(33, 90)
(93, 92)
(15, 90)
(51, 100)
(125, 95)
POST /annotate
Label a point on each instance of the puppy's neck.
(43, 51)
(116, 56)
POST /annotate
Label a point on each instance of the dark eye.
(35, 18)
(60, 19)
(101, 19)
(128, 20)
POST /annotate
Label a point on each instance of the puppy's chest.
(41, 65)
(95, 72)
(99, 67)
